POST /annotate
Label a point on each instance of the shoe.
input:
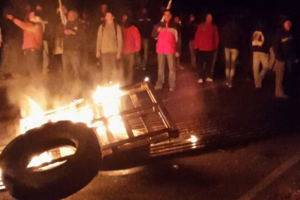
(200, 80)
(209, 79)
(229, 85)
(172, 89)
(283, 96)
(157, 87)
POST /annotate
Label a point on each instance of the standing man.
(46, 37)
(167, 47)
(145, 27)
(32, 42)
(285, 54)
(231, 38)
(260, 48)
(131, 46)
(109, 48)
(191, 30)
(206, 44)
(72, 47)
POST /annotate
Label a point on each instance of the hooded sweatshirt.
(206, 37)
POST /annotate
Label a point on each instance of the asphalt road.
(247, 147)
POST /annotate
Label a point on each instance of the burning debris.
(62, 150)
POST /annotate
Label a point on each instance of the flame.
(107, 98)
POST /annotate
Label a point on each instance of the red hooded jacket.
(131, 40)
(206, 37)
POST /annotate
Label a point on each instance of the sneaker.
(229, 85)
(283, 96)
(157, 87)
(209, 79)
(200, 80)
(172, 89)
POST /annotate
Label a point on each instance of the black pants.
(205, 63)
(33, 62)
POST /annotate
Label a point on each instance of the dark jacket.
(285, 46)
(231, 35)
(191, 30)
(260, 41)
(73, 42)
(145, 25)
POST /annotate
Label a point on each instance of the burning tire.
(61, 181)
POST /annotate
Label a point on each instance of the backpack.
(258, 39)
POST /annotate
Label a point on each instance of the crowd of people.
(119, 47)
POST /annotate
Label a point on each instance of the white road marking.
(270, 178)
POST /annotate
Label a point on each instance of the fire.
(108, 99)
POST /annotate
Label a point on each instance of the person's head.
(177, 20)
(33, 18)
(27, 7)
(208, 18)
(109, 18)
(64, 10)
(72, 15)
(124, 18)
(103, 8)
(144, 11)
(38, 7)
(287, 24)
(167, 15)
(192, 18)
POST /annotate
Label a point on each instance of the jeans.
(145, 47)
(161, 70)
(71, 64)
(128, 63)
(260, 58)
(230, 62)
(192, 53)
(204, 63)
(279, 73)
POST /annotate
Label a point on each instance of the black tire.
(58, 182)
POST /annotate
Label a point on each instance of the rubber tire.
(58, 182)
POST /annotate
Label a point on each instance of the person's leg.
(75, 63)
(227, 63)
(200, 64)
(209, 64)
(172, 71)
(264, 57)
(146, 51)
(279, 72)
(234, 56)
(105, 68)
(45, 57)
(130, 68)
(192, 53)
(255, 67)
(161, 71)
(65, 66)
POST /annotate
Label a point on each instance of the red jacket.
(168, 39)
(206, 37)
(131, 40)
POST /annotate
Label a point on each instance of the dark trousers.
(71, 64)
(205, 63)
(33, 62)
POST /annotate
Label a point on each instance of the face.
(192, 18)
(144, 11)
(103, 8)
(287, 25)
(38, 8)
(72, 16)
(177, 20)
(124, 18)
(109, 18)
(167, 16)
(209, 18)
